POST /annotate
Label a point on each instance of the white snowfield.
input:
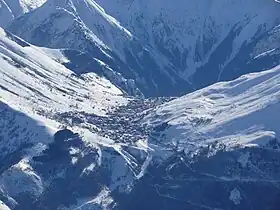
(243, 112)
(30, 77)
(212, 33)
(33, 83)
(3, 206)
(35, 87)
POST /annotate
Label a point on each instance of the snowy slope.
(240, 112)
(153, 45)
(82, 63)
(3, 206)
(35, 84)
(20, 59)
(204, 27)
(11, 9)
(85, 14)
(214, 41)
(86, 27)
(19, 7)
(34, 90)
(39, 97)
(216, 148)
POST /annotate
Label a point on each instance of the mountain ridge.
(78, 129)
(213, 24)
(214, 138)
(11, 9)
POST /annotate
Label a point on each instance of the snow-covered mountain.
(150, 42)
(236, 112)
(87, 28)
(39, 97)
(216, 148)
(35, 92)
(215, 38)
(34, 83)
(71, 137)
(11, 9)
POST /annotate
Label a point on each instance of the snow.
(94, 17)
(3, 206)
(33, 83)
(21, 178)
(11, 9)
(55, 54)
(36, 87)
(235, 113)
(20, 7)
(140, 34)
(204, 27)
(89, 169)
(264, 53)
(56, 87)
(102, 199)
(101, 28)
(32, 3)
(6, 15)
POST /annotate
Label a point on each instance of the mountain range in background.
(153, 45)
(92, 114)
